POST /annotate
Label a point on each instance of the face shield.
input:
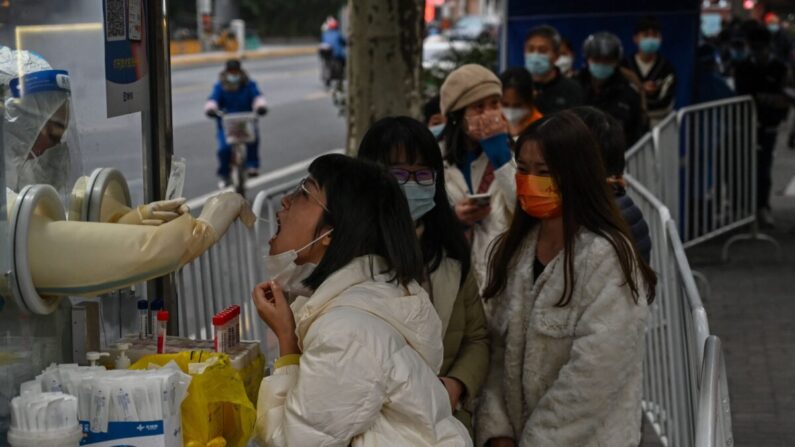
(39, 135)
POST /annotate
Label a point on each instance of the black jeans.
(766, 144)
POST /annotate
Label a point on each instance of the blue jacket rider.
(235, 92)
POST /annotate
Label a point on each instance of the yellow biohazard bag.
(218, 411)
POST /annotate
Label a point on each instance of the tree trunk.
(384, 63)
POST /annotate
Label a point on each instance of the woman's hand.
(502, 442)
(274, 310)
(486, 125)
(455, 389)
(469, 213)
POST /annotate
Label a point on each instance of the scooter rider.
(235, 92)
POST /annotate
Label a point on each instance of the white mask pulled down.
(289, 275)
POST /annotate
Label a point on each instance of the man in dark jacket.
(655, 72)
(610, 139)
(763, 76)
(608, 90)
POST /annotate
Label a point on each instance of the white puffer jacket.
(371, 351)
(503, 202)
(565, 376)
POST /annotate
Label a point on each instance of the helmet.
(603, 45)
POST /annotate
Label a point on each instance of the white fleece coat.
(503, 202)
(371, 351)
(565, 376)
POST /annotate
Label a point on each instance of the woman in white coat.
(478, 158)
(361, 345)
(567, 303)
(408, 148)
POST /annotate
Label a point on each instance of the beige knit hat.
(466, 85)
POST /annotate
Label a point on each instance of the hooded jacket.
(565, 376)
(371, 352)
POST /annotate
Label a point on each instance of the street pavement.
(751, 308)
(302, 121)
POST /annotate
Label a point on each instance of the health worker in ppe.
(88, 258)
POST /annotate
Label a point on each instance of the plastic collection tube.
(162, 326)
(226, 327)
(143, 306)
(219, 338)
(156, 306)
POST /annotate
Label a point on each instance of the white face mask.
(283, 269)
(514, 114)
(564, 63)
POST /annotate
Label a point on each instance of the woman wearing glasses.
(410, 151)
(360, 345)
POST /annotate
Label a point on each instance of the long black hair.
(576, 167)
(456, 141)
(369, 215)
(443, 234)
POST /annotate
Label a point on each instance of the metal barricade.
(713, 427)
(643, 163)
(702, 165)
(676, 332)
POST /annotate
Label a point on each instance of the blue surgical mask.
(420, 198)
(650, 45)
(601, 71)
(232, 79)
(774, 28)
(437, 130)
(537, 64)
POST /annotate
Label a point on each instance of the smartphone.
(481, 200)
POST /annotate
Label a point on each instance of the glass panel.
(57, 35)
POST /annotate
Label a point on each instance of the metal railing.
(714, 421)
(676, 334)
(701, 162)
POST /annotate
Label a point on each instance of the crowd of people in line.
(480, 278)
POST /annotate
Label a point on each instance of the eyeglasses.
(425, 177)
(302, 191)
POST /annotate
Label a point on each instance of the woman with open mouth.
(360, 345)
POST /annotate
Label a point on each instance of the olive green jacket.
(466, 339)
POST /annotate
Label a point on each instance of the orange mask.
(538, 196)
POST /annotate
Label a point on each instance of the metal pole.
(158, 132)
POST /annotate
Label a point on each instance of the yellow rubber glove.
(155, 213)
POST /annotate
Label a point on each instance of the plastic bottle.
(162, 327)
(122, 361)
(156, 306)
(93, 357)
(143, 306)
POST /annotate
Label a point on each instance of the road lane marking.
(315, 96)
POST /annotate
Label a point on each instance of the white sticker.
(62, 81)
(115, 25)
(134, 21)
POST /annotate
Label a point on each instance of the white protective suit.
(367, 377)
(85, 258)
(565, 376)
(26, 115)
